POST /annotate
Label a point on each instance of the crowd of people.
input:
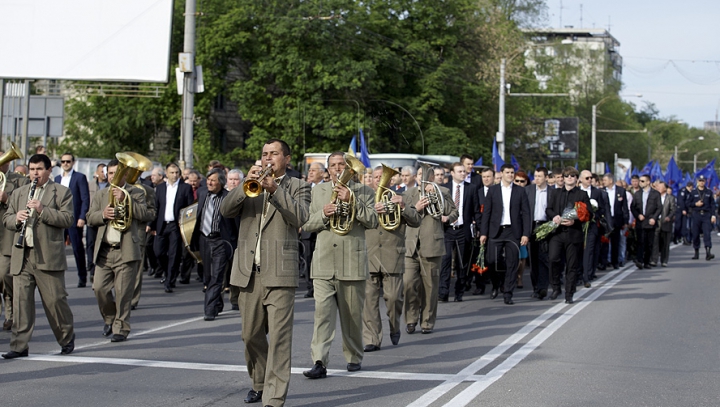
(413, 237)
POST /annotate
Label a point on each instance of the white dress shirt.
(506, 194)
(170, 195)
(65, 180)
(455, 186)
(541, 196)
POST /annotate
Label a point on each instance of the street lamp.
(593, 141)
(701, 138)
(695, 157)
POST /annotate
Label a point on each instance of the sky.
(670, 50)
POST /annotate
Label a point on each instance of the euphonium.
(390, 220)
(123, 208)
(436, 207)
(341, 222)
(143, 164)
(253, 187)
(10, 155)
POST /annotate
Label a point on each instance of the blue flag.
(497, 161)
(364, 156)
(352, 149)
(709, 173)
(607, 168)
(656, 173)
(478, 163)
(576, 165)
(673, 175)
(514, 162)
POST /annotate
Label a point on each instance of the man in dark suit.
(211, 235)
(40, 263)
(117, 253)
(506, 221)
(646, 208)
(470, 175)
(488, 179)
(617, 214)
(591, 254)
(568, 237)
(539, 196)
(459, 234)
(170, 197)
(79, 187)
(664, 233)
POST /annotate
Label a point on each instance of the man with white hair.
(234, 179)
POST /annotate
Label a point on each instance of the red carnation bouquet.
(578, 212)
(479, 266)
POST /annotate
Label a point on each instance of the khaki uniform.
(142, 234)
(13, 181)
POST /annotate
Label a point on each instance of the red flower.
(482, 208)
(582, 212)
(476, 269)
(604, 239)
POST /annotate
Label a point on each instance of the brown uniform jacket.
(386, 249)
(286, 213)
(13, 181)
(429, 238)
(342, 257)
(48, 233)
(130, 241)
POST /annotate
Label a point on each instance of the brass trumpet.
(436, 207)
(341, 222)
(12, 154)
(253, 187)
(390, 220)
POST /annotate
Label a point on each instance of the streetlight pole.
(500, 136)
(593, 137)
(701, 138)
(695, 157)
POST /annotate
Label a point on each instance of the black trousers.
(168, 246)
(615, 246)
(76, 235)
(215, 253)
(701, 224)
(539, 265)
(506, 247)
(591, 253)
(151, 260)
(645, 237)
(90, 236)
(457, 247)
(562, 244)
(307, 248)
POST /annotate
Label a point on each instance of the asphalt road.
(636, 338)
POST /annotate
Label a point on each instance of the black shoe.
(542, 294)
(107, 330)
(653, 264)
(615, 266)
(395, 338)
(198, 279)
(162, 280)
(520, 286)
(353, 367)
(569, 301)
(535, 295)
(708, 255)
(209, 317)
(458, 298)
(697, 254)
(82, 284)
(168, 290)
(647, 266)
(184, 281)
(638, 265)
(410, 328)
(133, 307)
(371, 348)
(602, 267)
(253, 396)
(588, 285)
(67, 349)
(118, 338)
(443, 298)
(204, 288)
(427, 330)
(555, 294)
(494, 293)
(479, 291)
(310, 293)
(509, 301)
(12, 354)
(235, 307)
(318, 371)
(7, 325)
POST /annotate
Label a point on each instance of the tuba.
(123, 208)
(341, 222)
(143, 164)
(12, 154)
(390, 220)
(436, 208)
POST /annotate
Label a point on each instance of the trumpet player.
(13, 181)
(425, 247)
(38, 260)
(386, 248)
(340, 267)
(265, 268)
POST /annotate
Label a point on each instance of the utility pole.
(188, 69)
(500, 136)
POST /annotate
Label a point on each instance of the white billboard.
(108, 40)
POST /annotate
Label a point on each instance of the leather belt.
(213, 235)
(504, 226)
(112, 246)
(455, 227)
(167, 223)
